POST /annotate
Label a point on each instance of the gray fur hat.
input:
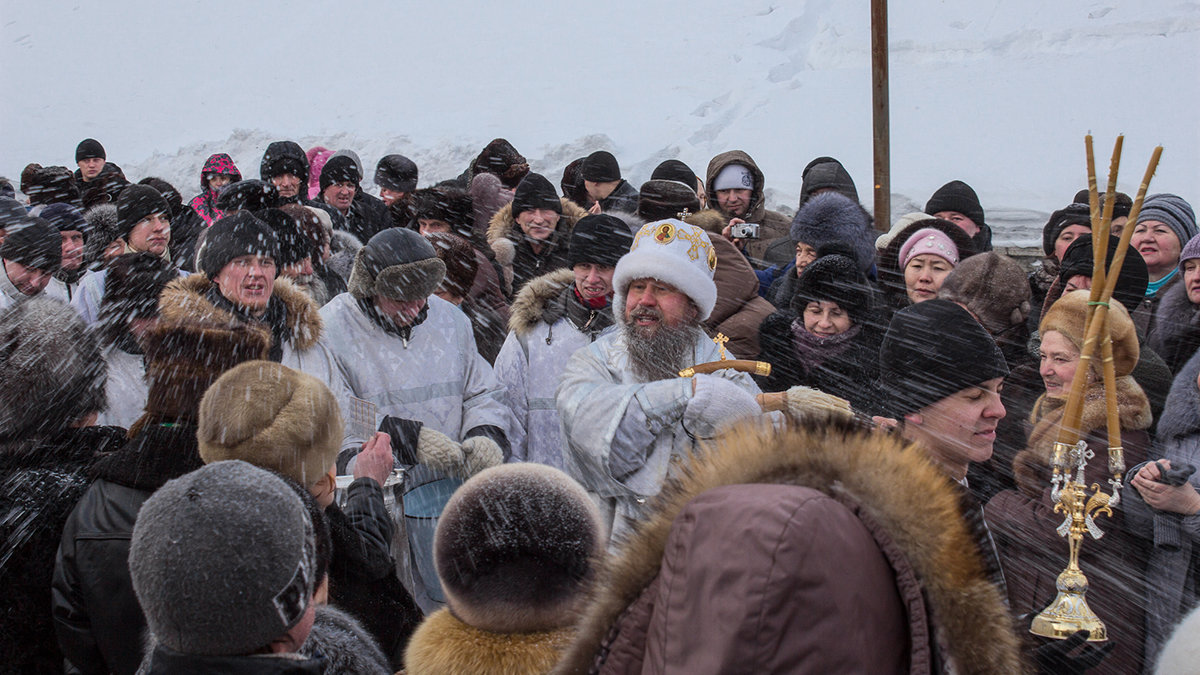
(993, 287)
(831, 217)
(223, 560)
(515, 547)
(105, 229)
(398, 264)
(51, 368)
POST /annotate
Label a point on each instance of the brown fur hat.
(273, 417)
(1067, 316)
(515, 546)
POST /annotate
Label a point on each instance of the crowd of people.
(496, 425)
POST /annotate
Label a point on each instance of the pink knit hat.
(928, 240)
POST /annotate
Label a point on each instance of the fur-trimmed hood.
(1031, 466)
(892, 482)
(503, 234)
(755, 213)
(185, 299)
(531, 302)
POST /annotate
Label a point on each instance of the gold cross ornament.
(720, 341)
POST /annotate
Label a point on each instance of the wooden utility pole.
(879, 109)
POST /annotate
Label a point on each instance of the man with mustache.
(627, 416)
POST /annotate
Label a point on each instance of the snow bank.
(997, 93)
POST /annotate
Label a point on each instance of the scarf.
(391, 327)
(812, 350)
(1153, 286)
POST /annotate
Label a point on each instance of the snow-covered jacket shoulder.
(529, 365)
(607, 412)
(436, 377)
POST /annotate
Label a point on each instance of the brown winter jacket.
(739, 310)
(1023, 523)
(801, 551)
(774, 224)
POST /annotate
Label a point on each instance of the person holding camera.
(737, 184)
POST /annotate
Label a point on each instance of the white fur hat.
(673, 252)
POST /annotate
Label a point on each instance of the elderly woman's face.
(1191, 280)
(1159, 246)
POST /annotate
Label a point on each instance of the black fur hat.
(49, 184)
(294, 244)
(514, 548)
(1072, 214)
(599, 238)
(450, 205)
(51, 368)
(832, 217)
(663, 198)
(234, 236)
(499, 157)
(835, 278)
(131, 289)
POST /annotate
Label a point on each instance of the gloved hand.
(806, 405)
(438, 452)
(480, 452)
(715, 404)
(1055, 657)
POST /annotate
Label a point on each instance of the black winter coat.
(624, 198)
(40, 481)
(366, 218)
(850, 375)
(97, 618)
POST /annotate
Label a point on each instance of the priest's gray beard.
(660, 354)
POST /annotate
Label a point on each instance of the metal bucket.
(423, 506)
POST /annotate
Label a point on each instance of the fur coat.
(660, 594)
(437, 649)
(1176, 333)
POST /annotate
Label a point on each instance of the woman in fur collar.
(1023, 520)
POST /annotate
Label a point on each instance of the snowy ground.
(998, 93)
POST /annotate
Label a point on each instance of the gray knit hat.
(223, 560)
(396, 263)
(1173, 211)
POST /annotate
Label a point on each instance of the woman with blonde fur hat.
(1023, 520)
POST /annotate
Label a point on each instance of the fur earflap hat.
(515, 547)
(993, 287)
(135, 203)
(831, 217)
(223, 560)
(34, 243)
(1069, 313)
(449, 205)
(49, 185)
(234, 236)
(274, 417)
(660, 199)
(51, 368)
(398, 264)
(672, 252)
(932, 350)
(499, 157)
(959, 197)
(397, 173)
(835, 278)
